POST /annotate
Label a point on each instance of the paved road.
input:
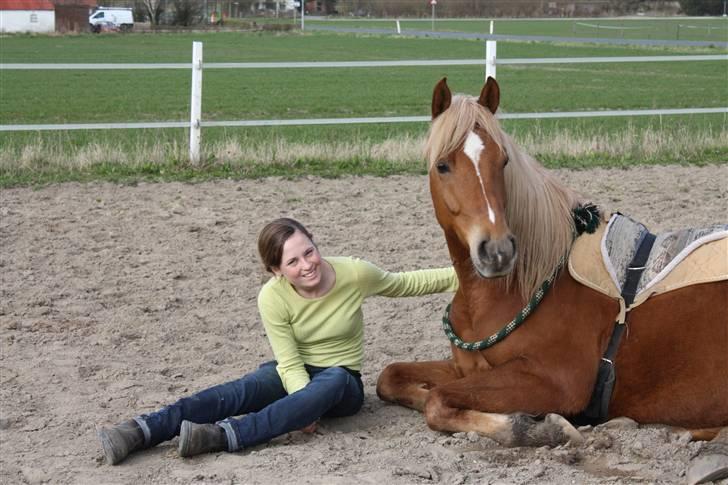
(539, 38)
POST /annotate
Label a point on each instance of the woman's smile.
(301, 265)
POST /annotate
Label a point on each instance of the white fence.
(196, 122)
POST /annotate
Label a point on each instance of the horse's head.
(467, 161)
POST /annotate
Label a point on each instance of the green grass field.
(77, 96)
(702, 29)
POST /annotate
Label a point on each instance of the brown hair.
(272, 238)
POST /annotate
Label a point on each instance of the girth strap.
(598, 409)
(636, 268)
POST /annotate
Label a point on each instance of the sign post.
(433, 3)
(296, 4)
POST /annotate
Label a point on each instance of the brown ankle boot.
(195, 439)
(121, 440)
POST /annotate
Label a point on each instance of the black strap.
(636, 268)
(629, 291)
(598, 409)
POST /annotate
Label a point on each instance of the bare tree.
(154, 10)
(188, 12)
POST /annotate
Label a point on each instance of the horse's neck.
(482, 306)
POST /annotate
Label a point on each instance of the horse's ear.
(490, 95)
(441, 98)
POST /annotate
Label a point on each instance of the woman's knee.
(338, 376)
(346, 393)
(337, 383)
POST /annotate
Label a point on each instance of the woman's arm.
(282, 341)
(376, 281)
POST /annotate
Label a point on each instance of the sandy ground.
(118, 299)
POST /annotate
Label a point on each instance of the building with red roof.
(27, 16)
(38, 16)
(26, 5)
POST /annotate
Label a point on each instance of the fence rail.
(340, 64)
(196, 66)
(352, 121)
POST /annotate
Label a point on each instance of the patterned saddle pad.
(677, 259)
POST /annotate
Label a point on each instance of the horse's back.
(676, 259)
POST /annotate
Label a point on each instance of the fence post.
(490, 48)
(490, 57)
(196, 103)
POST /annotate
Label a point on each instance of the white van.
(116, 18)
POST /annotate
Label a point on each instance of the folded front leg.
(502, 404)
(409, 383)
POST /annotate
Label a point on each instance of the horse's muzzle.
(495, 257)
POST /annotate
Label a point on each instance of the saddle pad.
(678, 258)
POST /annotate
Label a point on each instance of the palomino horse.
(509, 225)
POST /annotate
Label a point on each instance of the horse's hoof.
(708, 469)
(572, 434)
(710, 464)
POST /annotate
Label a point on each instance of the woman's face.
(300, 263)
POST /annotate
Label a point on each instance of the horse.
(510, 226)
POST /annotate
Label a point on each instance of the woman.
(311, 311)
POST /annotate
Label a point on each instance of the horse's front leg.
(408, 383)
(501, 404)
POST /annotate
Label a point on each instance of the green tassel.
(586, 218)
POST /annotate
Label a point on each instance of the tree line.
(191, 12)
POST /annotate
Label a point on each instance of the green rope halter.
(586, 219)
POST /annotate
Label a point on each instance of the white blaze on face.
(473, 148)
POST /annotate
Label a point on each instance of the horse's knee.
(387, 383)
(403, 384)
(436, 411)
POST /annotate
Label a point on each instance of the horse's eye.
(442, 167)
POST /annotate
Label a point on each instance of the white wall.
(27, 21)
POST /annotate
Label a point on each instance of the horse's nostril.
(483, 250)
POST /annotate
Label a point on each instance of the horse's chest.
(478, 326)
(468, 363)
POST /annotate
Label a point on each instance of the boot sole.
(184, 431)
(108, 447)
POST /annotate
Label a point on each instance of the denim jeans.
(268, 410)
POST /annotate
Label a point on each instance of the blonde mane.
(539, 206)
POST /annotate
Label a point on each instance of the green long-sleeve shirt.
(329, 331)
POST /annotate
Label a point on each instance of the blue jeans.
(268, 410)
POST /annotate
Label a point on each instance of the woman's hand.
(311, 428)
